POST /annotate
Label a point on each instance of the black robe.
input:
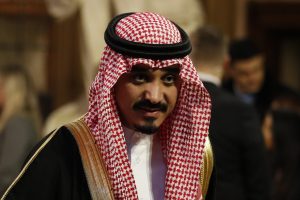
(56, 173)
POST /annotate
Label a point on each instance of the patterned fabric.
(183, 133)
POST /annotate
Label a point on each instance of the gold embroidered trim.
(207, 167)
(94, 167)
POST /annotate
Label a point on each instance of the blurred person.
(281, 131)
(145, 134)
(248, 78)
(239, 151)
(286, 133)
(66, 113)
(285, 101)
(69, 111)
(19, 121)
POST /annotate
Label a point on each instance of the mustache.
(146, 104)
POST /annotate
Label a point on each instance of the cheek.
(172, 97)
(125, 96)
(238, 77)
(261, 76)
(241, 79)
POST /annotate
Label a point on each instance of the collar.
(248, 98)
(147, 163)
(134, 138)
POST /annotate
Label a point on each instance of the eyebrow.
(139, 68)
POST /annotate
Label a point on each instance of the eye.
(139, 78)
(169, 79)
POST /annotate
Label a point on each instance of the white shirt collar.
(248, 98)
(147, 164)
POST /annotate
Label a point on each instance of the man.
(248, 78)
(234, 129)
(147, 124)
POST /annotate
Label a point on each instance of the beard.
(149, 128)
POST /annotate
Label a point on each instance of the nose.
(154, 92)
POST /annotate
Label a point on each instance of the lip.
(150, 113)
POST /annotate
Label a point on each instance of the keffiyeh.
(182, 134)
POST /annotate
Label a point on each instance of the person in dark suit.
(249, 79)
(235, 133)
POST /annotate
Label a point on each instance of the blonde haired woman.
(19, 121)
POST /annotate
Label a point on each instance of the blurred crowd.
(255, 124)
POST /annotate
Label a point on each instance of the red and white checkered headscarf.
(183, 133)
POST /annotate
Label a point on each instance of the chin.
(147, 129)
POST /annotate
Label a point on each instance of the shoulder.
(225, 99)
(52, 167)
(51, 153)
(228, 85)
(57, 143)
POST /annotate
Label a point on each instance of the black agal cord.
(142, 50)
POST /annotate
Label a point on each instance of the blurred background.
(60, 42)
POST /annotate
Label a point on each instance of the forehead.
(250, 62)
(148, 69)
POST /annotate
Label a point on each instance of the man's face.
(248, 75)
(145, 97)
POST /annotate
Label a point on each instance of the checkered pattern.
(183, 133)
